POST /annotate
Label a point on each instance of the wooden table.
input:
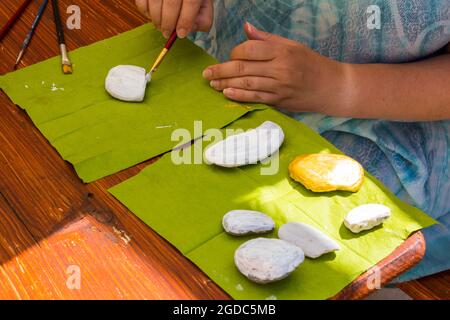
(51, 221)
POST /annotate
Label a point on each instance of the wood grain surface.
(50, 221)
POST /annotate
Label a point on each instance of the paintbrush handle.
(36, 21)
(59, 26)
(5, 29)
(171, 41)
(173, 37)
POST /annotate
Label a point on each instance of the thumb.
(255, 34)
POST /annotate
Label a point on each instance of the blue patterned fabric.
(412, 159)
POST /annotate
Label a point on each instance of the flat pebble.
(327, 172)
(127, 83)
(265, 260)
(246, 148)
(244, 222)
(366, 217)
(312, 241)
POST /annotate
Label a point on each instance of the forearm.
(418, 91)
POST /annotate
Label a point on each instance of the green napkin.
(100, 135)
(185, 204)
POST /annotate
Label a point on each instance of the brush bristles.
(66, 65)
(67, 69)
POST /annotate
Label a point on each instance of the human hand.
(277, 71)
(183, 15)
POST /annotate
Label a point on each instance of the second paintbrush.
(65, 61)
(30, 34)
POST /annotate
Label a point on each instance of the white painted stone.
(312, 241)
(244, 222)
(246, 148)
(267, 260)
(366, 217)
(127, 83)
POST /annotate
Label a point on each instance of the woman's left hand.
(277, 71)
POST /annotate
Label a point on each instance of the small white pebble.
(245, 222)
(366, 217)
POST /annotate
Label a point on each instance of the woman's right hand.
(185, 16)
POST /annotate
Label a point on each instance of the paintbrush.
(65, 61)
(5, 29)
(30, 34)
(162, 55)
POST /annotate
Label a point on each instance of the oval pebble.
(246, 148)
(327, 172)
(267, 260)
(366, 217)
(127, 83)
(244, 222)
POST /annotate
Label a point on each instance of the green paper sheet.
(100, 135)
(185, 205)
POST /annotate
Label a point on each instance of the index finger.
(188, 15)
(170, 14)
(254, 50)
(237, 68)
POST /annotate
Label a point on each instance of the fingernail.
(214, 83)
(207, 73)
(182, 33)
(250, 27)
(228, 91)
(166, 34)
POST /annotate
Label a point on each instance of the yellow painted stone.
(327, 172)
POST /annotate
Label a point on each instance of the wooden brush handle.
(59, 26)
(171, 40)
(35, 23)
(5, 29)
